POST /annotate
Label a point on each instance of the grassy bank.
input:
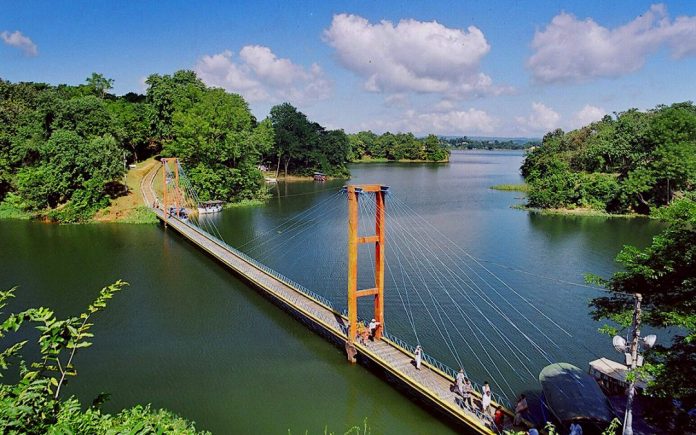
(580, 211)
(11, 208)
(129, 208)
(511, 187)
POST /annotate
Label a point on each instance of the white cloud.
(18, 40)
(572, 50)
(471, 121)
(541, 119)
(412, 56)
(260, 75)
(588, 115)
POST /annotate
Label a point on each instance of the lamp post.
(633, 359)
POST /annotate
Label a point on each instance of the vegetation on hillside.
(665, 274)
(367, 146)
(64, 149)
(33, 404)
(631, 162)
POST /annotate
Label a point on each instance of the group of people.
(466, 390)
(368, 332)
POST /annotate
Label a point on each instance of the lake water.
(189, 336)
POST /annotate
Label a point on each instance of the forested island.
(467, 143)
(633, 162)
(367, 146)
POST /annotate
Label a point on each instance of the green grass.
(140, 215)
(511, 187)
(11, 208)
(582, 212)
(246, 203)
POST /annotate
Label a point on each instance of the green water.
(188, 336)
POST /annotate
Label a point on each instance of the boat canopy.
(573, 395)
(214, 202)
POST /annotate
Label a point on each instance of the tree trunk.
(278, 167)
(287, 163)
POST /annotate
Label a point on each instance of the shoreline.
(582, 212)
(382, 160)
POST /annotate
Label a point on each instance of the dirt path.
(128, 208)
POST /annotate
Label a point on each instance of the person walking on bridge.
(486, 403)
(468, 390)
(373, 328)
(460, 382)
(419, 356)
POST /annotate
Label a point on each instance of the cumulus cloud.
(573, 50)
(18, 40)
(471, 121)
(588, 115)
(412, 56)
(541, 119)
(259, 75)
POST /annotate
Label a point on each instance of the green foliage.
(367, 146)
(665, 274)
(12, 207)
(302, 146)
(63, 148)
(140, 215)
(99, 84)
(466, 143)
(33, 405)
(511, 187)
(634, 162)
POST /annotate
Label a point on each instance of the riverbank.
(511, 187)
(580, 211)
(129, 208)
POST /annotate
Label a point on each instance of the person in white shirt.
(419, 356)
(460, 382)
(373, 328)
(486, 402)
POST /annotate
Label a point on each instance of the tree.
(216, 137)
(665, 274)
(99, 84)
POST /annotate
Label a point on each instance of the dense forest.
(628, 163)
(366, 145)
(64, 149)
(466, 143)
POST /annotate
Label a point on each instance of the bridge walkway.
(429, 383)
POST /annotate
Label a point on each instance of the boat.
(270, 180)
(574, 397)
(319, 176)
(207, 207)
(612, 376)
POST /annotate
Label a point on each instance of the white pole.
(628, 417)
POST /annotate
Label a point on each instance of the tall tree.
(99, 84)
(665, 274)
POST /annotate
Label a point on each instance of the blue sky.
(496, 68)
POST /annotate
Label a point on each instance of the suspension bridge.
(168, 191)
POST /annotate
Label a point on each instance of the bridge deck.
(428, 383)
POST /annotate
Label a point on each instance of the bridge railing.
(280, 277)
(442, 367)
